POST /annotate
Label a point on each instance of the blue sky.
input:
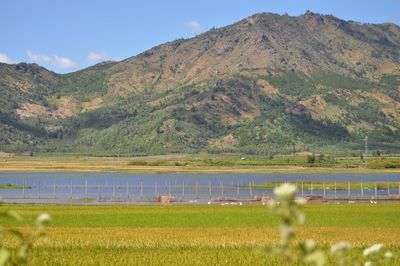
(65, 36)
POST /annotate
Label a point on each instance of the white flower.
(316, 258)
(310, 245)
(271, 203)
(388, 254)
(301, 218)
(342, 245)
(372, 249)
(285, 191)
(301, 201)
(368, 263)
(43, 219)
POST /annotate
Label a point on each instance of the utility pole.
(366, 149)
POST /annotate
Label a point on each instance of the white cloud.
(97, 56)
(59, 61)
(194, 26)
(38, 58)
(4, 59)
(64, 62)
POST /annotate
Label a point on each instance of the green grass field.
(196, 235)
(363, 215)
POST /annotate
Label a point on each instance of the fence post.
(98, 191)
(323, 184)
(113, 193)
(238, 189)
(127, 189)
(197, 187)
(302, 189)
(86, 189)
(250, 190)
(39, 189)
(388, 188)
(311, 188)
(348, 190)
(222, 189)
(183, 189)
(362, 190)
(70, 191)
(155, 189)
(376, 191)
(23, 188)
(335, 191)
(209, 189)
(141, 190)
(54, 190)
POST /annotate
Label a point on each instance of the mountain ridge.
(266, 84)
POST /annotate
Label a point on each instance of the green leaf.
(14, 215)
(317, 258)
(4, 256)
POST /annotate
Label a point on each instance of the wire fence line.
(63, 190)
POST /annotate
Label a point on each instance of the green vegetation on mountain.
(268, 84)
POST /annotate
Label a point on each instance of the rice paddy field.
(196, 235)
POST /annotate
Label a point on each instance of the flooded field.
(111, 188)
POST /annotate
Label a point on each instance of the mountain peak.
(258, 85)
(310, 14)
(313, 20)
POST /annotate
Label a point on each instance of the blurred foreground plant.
(19, 255)
(288, 207)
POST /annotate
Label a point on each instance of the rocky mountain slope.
(267, 84)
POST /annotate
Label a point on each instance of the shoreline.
(187, 164)
(197, 170)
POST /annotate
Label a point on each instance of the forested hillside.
(268, 84)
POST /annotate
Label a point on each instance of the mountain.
(267, 84)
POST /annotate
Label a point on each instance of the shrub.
(382, 163)
(137, 162)
(311, 159)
